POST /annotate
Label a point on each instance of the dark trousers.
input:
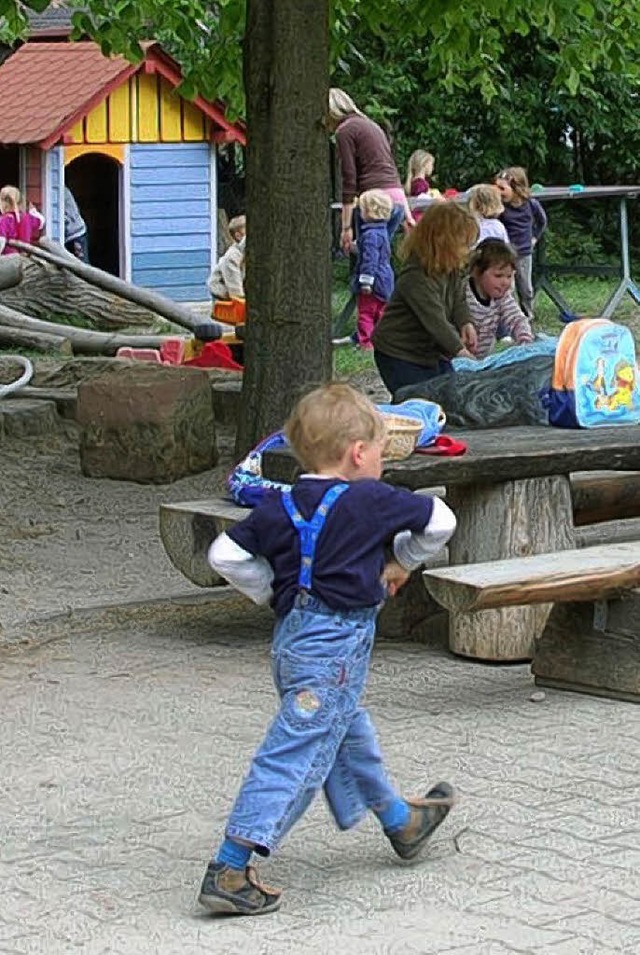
(396, 373)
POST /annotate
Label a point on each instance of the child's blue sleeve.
(369, 259)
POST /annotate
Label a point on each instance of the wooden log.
(605, 496)
(512, 519)
(187, 531)
(609, 532)
(46, 290)
(11, 268)
(83, 340)
(591, 573)
(109, 283)
(592, 649)
(37, 341)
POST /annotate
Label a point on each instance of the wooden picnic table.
(511, 494)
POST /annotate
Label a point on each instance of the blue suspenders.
(309, 531)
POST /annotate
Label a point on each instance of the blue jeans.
(321, 735)
(396, 372)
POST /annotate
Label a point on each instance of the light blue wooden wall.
(171, 217)
(55, 227)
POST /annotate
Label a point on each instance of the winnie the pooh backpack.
(595, 376)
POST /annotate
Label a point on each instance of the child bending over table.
(493, 309)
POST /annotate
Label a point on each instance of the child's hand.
(469, 337)
(464, 353)
(394, 576)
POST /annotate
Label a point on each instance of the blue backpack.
(595, 376)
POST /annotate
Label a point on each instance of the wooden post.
(512, 519)
(592, 648)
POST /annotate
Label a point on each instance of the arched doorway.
(9, 166)
(94, 180)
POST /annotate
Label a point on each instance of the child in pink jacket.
(15, 223)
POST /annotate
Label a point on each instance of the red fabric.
(215, 355)
(445, 446)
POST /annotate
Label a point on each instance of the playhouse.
(142, 162)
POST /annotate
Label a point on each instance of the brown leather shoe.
(227, 891)
(426, 815)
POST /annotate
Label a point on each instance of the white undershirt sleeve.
(252, 576)
(413, 549)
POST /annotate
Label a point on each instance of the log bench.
(188, 528)
(591, 640)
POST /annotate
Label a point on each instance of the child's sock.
(395, 816)
(233, 854)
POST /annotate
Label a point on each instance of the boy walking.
(317, 554)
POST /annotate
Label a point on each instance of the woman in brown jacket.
(365, 163)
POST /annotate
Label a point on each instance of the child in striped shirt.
(489, 294)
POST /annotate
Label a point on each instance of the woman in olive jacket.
(427, 321)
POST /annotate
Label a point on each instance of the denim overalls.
(321, 736)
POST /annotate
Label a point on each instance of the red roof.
(48, 87)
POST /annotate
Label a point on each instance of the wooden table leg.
(512, 519)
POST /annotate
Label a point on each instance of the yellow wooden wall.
(146, 109)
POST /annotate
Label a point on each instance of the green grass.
(349, 361)
(588, 297)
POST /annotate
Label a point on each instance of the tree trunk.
(46, 291)
(512, 519)
(288, 344)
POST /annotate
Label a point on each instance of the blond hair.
(442, 238)
(341, 105)
(516, 177)
(375, 205)
(327, 420)
(419, 162)
(235, 224)
(10, 199)
(485, 201)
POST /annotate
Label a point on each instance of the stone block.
(147, 423)
(227, 396)
(23, 418)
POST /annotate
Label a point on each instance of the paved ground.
(124, 738)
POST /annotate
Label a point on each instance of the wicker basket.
(403, 434)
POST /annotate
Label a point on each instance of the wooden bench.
(606, 508)
(591, 641)
(187, 531)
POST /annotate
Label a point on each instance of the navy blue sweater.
(523, 224)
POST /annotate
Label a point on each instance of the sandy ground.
(67, 541)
